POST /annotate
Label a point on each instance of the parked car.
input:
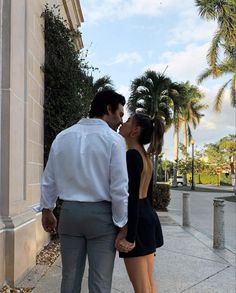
(180, 180)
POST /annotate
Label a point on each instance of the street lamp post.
(164, 160)
(192, 183)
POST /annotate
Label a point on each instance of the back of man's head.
(104, 98)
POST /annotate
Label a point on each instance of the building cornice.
(75, 18)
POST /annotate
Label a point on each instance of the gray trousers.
(87, 229)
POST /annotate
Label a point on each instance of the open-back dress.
(144, 227)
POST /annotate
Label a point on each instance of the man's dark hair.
(104, 98)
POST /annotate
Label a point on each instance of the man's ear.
(109, 109)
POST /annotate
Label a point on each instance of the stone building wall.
(21, 130)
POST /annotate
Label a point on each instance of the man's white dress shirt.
(87, 163)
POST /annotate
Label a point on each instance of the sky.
(124, 38)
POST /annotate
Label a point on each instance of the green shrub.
(205, 178)
(225, 180)
(161, 196)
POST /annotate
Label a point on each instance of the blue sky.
(126, 37)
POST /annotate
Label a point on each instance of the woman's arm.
(135, 167)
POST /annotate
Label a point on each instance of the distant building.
(21, 130)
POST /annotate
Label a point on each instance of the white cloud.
(206, 124)
(125, 91)
(183, 65)
(95, 10)
(128, 58)
(212, 127)
(144, 27)
(190, 28)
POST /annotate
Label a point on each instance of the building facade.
(21, 130)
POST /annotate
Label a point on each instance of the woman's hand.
(123, 245)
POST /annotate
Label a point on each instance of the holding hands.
(121, 243)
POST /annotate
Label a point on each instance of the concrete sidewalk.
(186, 263)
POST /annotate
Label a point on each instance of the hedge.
(205, 178)
(161, 196)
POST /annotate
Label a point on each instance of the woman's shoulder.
(134, 155)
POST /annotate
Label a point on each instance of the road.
(201, 206)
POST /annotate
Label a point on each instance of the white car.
(180, 180)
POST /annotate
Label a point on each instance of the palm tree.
(102, 83)
(89, 90)
(224, 41)
(176, 94)
(149, 95)
(190, 114)
(226, 67)
(224, 12)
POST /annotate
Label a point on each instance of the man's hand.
(121, 235)
(49, 221)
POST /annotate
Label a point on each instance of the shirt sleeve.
(135, 167)
(119, 184)
(49, 191)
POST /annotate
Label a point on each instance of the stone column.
(219, 231)
(21, 131)
(186, 209)
(19, 222)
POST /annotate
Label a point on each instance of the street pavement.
(186, 263)
(201, 211)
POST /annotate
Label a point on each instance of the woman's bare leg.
(150, 260)
(140, 271)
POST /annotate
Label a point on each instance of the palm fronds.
(219, 96)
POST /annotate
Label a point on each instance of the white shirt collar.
(93, 121)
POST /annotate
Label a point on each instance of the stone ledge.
(33, 276)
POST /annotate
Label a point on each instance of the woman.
(143, 224)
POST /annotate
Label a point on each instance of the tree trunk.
(176, 154)
(231, 159)
(233, 175)
(185, 154)
(175, 169)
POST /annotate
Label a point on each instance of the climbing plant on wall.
(68, 79)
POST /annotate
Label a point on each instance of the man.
(87, 170)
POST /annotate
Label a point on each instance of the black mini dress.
(144, 227)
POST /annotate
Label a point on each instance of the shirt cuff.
(120, 223)
(38, 208)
